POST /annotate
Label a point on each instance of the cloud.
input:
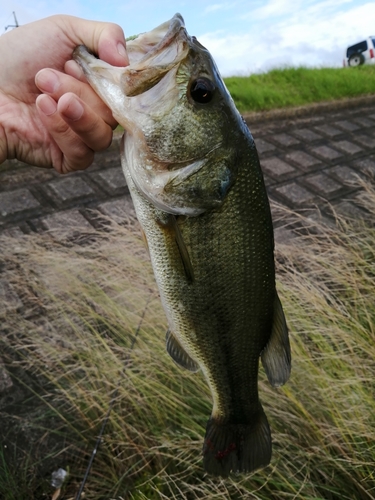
(315, 36)
(217, 6)
(274, 8)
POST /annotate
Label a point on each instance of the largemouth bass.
(194, 176)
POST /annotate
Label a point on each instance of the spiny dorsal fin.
(178, 353)
(276, 357)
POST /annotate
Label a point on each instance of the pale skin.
(49, 115)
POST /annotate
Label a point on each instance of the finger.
(107, 40)
(72, 153)
(87, 124)
(57, 84)
(111, 45)
(73, 69)
(111, 51)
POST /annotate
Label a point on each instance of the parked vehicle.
(361, 53)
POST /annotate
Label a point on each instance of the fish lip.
(176, 24)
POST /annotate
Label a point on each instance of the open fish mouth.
(151, 56)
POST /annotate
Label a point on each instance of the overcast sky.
(244, 36)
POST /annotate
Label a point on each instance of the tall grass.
(71, 347)
(287, 87)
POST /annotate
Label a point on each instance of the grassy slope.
(93, 297)
(298, 86)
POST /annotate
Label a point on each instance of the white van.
(361, 53)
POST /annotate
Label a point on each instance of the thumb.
(107, 40)
(112, 46)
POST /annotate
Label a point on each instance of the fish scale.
(194, 176)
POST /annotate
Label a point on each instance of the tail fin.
(237, 447)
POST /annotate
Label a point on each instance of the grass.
(69, 349)
(281, 88)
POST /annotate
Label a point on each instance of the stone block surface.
(326, 153)
(307, 134)
(263, 146)
(294, 194)
(365, 140)
(364, 122)
(66, 223)
(303, 160)
(276, 168)
(347, 147)
(346, 175)
(349, 210)
(329, 130)
(323, 185)
(112, 179)
(14, 202)
(346, 125)
(366, 165)
(121, 210)
(70, 188)
(285, 139)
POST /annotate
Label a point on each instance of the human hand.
(67, 123)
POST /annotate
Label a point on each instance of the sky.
(243, 36)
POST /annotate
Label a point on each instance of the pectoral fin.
(276, 357)
(172, 225)
(178, 353)
(144, 238)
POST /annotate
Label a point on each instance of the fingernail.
(46, 105)
(122, 51)
(47, 81)
(74, 111)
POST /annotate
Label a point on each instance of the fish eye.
(202, 90)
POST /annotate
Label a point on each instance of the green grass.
(289, 87)
(69, 347)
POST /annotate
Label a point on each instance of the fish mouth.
(151, 56)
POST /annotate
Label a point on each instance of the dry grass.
(71, 342)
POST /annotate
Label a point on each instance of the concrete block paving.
(308, 160)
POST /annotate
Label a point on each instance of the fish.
(194, 175)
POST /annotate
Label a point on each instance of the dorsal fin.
(178, 353)
(276, 357)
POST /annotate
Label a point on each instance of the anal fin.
(178, 353)
(276, 356)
